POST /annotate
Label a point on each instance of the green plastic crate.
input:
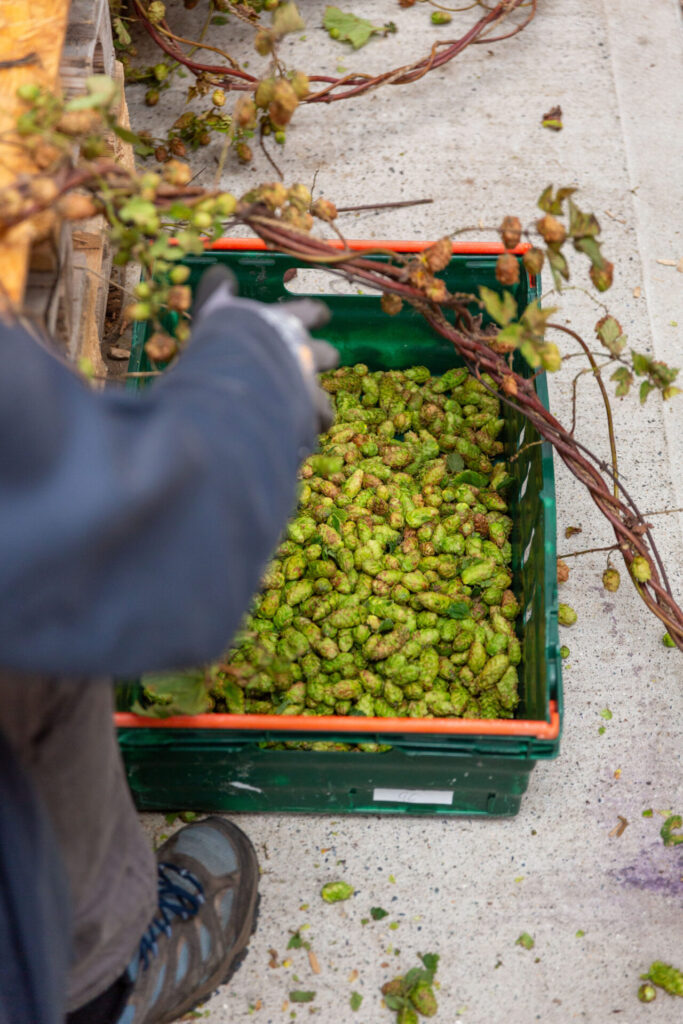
(206, 766)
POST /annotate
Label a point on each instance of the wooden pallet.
(58, 274)
(32, 36)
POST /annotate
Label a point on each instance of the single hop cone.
(245, 112)
(640, 569)
(647, 993)
(176, 173)
(437, 257)
(283, 104)
(533, 261)
(423, 999)
(160, 347)
(507, 269)
(324, 209)
(611, 579)
(300, 84)
(75, 206)
(179, 298)
(551, 229)
(566, 616)
(511, 232)
(391, 304)
(334, 892)
(244, 152)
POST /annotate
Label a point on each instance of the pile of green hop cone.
(390, 592)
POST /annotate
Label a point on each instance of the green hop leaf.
(431, 962)
(458, 610)
(641, 364)
(550, 203)
(377, 913)
(355, 1001)
(180, 693)
(286, 18)
(525, 940)
(500, 307)
(644, 391)
(455, 462)
(610, 334)
(625, 379)
(301, 996)
(558, 266)
(349, 28)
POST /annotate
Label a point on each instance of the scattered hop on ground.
(335, 892)
(407, 1015)
(647, 993)
(665, 976)
(423, 999)
(566, 616)
(562, 571)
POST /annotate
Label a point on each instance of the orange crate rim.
(351, 723)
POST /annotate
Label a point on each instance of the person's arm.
(134, 529)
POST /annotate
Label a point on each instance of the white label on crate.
(522, 490)
(245, 785)
(527, 549)
(415, 796)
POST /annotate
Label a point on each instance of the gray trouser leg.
(61, 731)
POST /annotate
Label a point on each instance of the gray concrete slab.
(469, 136)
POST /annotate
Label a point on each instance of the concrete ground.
(600, 906)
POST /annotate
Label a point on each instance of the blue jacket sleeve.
(134, 528)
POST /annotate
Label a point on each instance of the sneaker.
(208, 881)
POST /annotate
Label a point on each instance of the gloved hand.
(218, 289)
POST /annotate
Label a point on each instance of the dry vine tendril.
(271, 100)
(146, 211)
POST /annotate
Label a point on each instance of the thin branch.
(605, 397)
(384, 206)
(589, 551)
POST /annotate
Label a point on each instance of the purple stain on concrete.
(658, 868)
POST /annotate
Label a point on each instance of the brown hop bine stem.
(235, 79)
(633, 534)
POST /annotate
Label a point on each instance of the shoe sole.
(241, 945)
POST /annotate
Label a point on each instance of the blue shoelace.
(174, 901)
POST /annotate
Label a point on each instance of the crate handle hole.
(307, 281)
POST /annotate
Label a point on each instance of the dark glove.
(291, 320)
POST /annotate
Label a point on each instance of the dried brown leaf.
(619, 829)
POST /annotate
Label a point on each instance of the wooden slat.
(26, 27)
